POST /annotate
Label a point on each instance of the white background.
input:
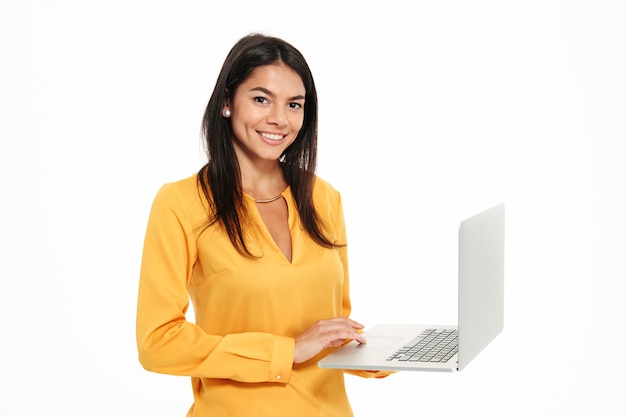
(429, 112)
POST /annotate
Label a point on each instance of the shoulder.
(181, 195)
(180, 188)
(325, 194)
(320, 185)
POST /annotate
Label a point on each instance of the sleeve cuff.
(282, 359)
(370, 374)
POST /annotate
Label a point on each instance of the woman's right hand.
(325, 334)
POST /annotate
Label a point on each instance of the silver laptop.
(417, 347)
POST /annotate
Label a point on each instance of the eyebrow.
(269, 93)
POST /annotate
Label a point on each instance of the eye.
(295, 106)
(260, 100)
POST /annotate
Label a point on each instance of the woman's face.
(267, 112)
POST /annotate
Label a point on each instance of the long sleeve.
(167, 342)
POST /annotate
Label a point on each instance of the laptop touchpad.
(381, 341)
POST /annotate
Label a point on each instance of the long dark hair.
(220, 178)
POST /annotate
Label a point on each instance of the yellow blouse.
(239, 352)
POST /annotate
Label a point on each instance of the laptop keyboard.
(432, 345)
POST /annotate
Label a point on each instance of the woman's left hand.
(325, 334)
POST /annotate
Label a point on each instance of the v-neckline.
(286, 194)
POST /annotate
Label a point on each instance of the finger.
(352, 335)
(356, 324)
(353, 323)
(356, 335)
(359, 338)
(345, 333)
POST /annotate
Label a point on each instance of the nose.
(277, 116)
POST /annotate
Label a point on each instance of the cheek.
(241, 130)
(296, 122)
(238, 127)
(242, 124)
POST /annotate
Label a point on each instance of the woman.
(258, 243)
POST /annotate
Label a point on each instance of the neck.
(264, 184)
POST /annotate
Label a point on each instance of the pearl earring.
(226, 113)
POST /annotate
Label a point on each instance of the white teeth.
(271, 136)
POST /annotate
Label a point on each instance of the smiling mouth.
(271, 136)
